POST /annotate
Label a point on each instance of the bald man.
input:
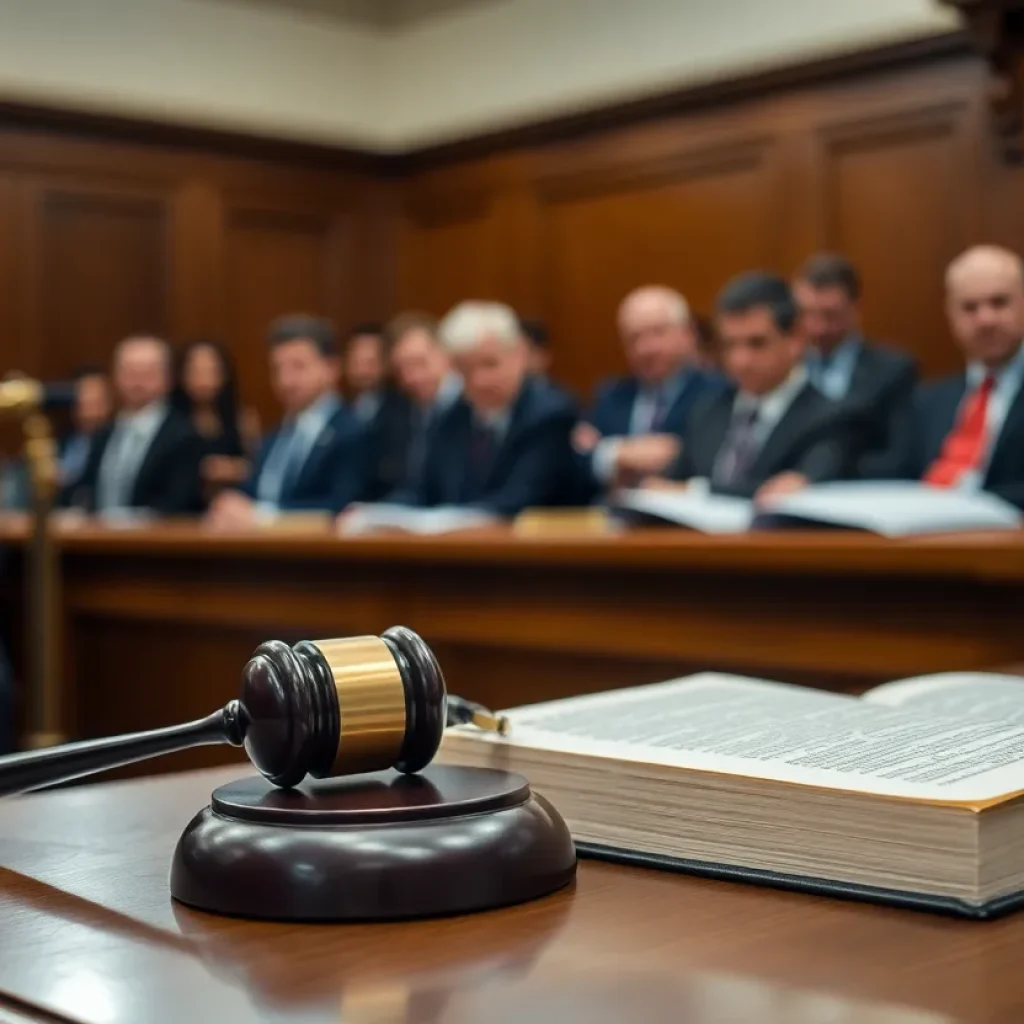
(147, 460)
(970, 427)
(633, 430)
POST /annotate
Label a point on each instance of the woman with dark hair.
(206, 388)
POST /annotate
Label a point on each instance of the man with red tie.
(970, 427)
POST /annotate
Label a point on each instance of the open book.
(383, 516)
(888, 508)
(911, 794)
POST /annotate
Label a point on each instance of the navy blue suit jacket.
(613, 404)
(338, 469)
(612, 412)
(531, 467)
(935, 409)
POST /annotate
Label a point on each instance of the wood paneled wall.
(897, 169)
(101, 236)
(99, 239)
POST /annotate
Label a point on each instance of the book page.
(730, 724)
(976, 695)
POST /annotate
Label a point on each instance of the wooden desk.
(89, 934)
(160, 620)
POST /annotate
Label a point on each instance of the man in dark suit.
(91, 412)
(772, 432)
(634, 427)
(364, 371)
(319, 459)
(429, 387)
(969, 428)
(875, 380)
(375, 402)
(504, 446)
(148, 458)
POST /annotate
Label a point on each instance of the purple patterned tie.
(739, 449)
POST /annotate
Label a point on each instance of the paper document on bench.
(896, 508)
(732, 725)
(698, 510)
(383, 516)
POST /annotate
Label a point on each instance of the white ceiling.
(378, 14)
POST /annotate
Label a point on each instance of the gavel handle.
(21, 773)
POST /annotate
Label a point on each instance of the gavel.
(323, 709)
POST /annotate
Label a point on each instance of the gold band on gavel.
(371, 703)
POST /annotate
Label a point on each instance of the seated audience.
(148, 458)
(505, 445)
(319, 459)
(424, 374)
(970, 427)
(635, 425)
(846, 367)
(91, 411)
(772, 431)
(206, 390)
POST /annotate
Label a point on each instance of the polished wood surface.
(160, 621)
(382, 846)
(90, 935)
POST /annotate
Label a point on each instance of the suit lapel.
(625, 402)
(152, 459)
(709, 439)
(1013, 427)
(780, 440)
(515, 423)
(862, 378)
(301, 477)
(670, 421)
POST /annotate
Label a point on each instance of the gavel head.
(339, 707)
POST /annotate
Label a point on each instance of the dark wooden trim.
(31, 117)
(717, 93)
(89, 125)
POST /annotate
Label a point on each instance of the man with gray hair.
(504, 446)
(634, 427)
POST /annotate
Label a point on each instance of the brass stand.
(23, 398)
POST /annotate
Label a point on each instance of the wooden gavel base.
(373, 847)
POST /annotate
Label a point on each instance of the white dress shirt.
(367, 405)
(126, 450)
(834, 375)
(773, 405)
(295, 441)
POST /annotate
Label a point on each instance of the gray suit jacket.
(817, 437)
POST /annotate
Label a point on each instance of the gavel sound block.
(348, 819)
